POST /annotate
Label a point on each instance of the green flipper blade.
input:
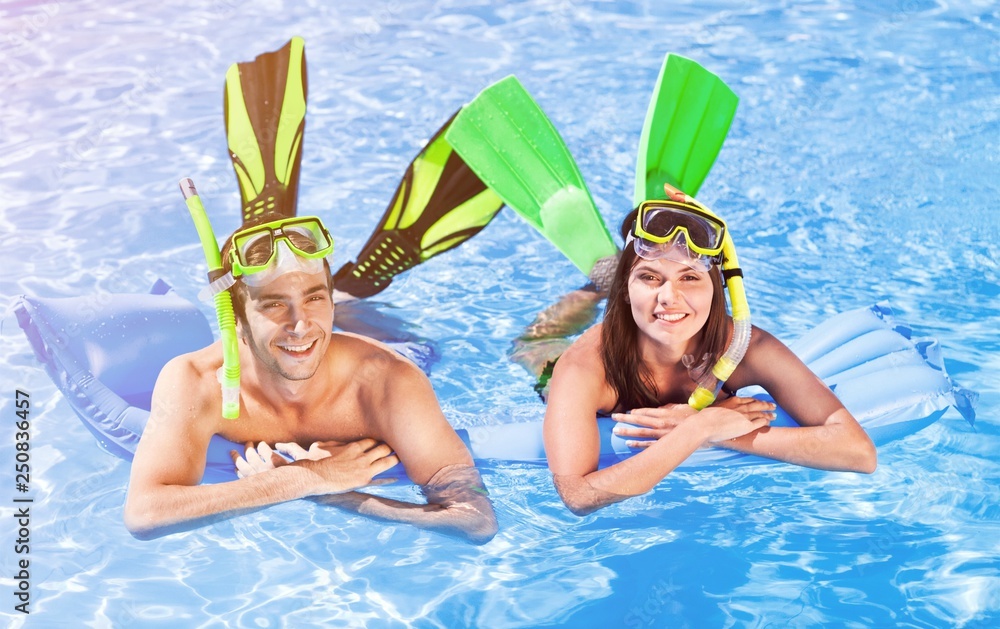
(509, 142)
(265, 108)
(439, 204)
(687, 121)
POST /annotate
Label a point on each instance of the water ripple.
(861, 166)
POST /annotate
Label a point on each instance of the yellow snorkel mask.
(686, 231)
(679, 231)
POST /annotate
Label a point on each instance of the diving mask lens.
(675, 250)
(677, 231)
(662, 221)
(260, 254)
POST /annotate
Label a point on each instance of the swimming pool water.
(863, 165)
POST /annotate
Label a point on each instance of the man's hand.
(256, 460)
(337, 466)
(323, 449)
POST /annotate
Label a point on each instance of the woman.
(665, 306)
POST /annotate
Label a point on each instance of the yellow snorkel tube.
(710, 383)
(229, 373)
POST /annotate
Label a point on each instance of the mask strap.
(208, 293)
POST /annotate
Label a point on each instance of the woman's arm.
(572, 440)
(828, 438)
(585, 493)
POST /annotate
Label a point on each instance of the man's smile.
(298, 348)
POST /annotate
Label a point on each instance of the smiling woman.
(664, 329)
(671, 303)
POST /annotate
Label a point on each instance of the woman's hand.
(731, 418)
(674, 193)
(750, 407)
(650, 423)
(722, 424)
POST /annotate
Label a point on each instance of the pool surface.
(862, 166)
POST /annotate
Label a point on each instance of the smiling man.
(344, 408)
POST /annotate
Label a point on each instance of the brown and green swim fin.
(439, 204)
(265, 109)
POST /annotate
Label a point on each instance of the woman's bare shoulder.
(766, 358)
(580, 374)
(590, 340)
(584, 353)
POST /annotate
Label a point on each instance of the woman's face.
(670, 301)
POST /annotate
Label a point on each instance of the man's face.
(289, 323)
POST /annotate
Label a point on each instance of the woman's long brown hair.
(624, 369)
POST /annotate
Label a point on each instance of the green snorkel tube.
(229, 374)
(710, 383)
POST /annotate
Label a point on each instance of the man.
(343, 407)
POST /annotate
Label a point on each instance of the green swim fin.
(439, 204)
(265, 108)
(510, 143)
(687, 121)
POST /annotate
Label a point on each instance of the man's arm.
(434, 457)
(432, 453)
(457, 504)
(164, 495)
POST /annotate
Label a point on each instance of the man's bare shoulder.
(192, 375)
(399, 406)
(371, 357)
(384, 378)
(197, 364)
(185, 403)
